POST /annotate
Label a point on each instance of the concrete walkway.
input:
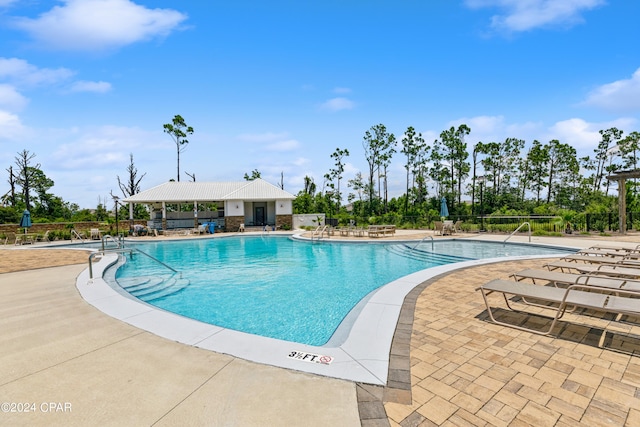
(64, 363)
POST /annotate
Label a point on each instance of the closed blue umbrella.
(25, 221)
(444, 210)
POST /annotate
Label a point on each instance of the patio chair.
(95, 234)
(457, 226)
(10, 237)
(580, 296)
(438, 227)
(15, 238)
(43, 238)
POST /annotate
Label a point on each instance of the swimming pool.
(280, 288)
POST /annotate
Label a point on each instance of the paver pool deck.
(70, 364)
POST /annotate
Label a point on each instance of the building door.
(259, 216)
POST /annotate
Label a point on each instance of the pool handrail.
(516, 230)
(123, 250)
(113, 239)
(423, 239)
(320, 231)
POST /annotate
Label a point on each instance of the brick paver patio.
(467, 371)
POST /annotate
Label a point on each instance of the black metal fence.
(579, 223)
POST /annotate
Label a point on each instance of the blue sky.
(278, 86)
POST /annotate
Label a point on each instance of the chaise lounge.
(596, 298)
(556, 278)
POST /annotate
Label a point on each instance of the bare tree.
(10, 197)
(132, 185)
(25, 174)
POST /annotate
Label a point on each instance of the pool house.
(230, 205)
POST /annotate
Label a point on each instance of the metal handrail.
(113, 239)
(103, 252)
(322, 229)
(123, 250)
(423, 239)
(516, 230)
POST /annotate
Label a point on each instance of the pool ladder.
(320, 232)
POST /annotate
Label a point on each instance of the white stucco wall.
(233, 208)
(308, 220)
(284, 207)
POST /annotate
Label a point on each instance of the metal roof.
(181, 192)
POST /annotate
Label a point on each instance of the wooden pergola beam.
(621, 177)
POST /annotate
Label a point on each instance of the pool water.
(280, 288)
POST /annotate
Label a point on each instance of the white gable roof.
(181, 192)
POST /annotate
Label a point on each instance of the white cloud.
(525, 15)
(88, 25)
(577, 132)
(20, 72)
(11, 99)
(97, 87)
(337, 104)
(5, 3)
(496, 129)
(621, 95)
(341, 90)
(262, 137)
(12, 127)
(301, 161)
(286, 145)
(107, 146)
(582, 135)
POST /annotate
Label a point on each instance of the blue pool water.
(281, 288)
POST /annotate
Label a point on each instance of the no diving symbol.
(326, 359)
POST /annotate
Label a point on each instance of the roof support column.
(164, 216)
(130, 216)
(195, 214)
(621, 177)
(622, 206)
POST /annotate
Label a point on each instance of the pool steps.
(423, 253)
(149, 288)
